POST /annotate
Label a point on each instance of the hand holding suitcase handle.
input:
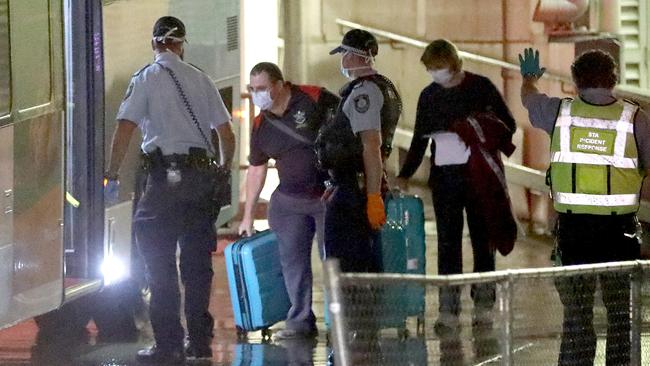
(402, 184)
(246, 228)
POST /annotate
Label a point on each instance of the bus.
(64, 68)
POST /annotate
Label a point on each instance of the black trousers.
(449, 187)
(167, 215)
(584, 239)
(348, 236)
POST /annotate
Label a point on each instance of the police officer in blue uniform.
(175, 105)
(353, 147)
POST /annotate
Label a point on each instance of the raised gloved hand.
(375, 211)
(111, 191)
(529, 64)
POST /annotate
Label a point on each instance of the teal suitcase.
(407, 212)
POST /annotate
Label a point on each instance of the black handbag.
(220, 175)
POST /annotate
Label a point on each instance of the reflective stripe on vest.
(594, 161)
(596, 199)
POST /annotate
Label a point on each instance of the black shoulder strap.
(287, 130)
(188, 107)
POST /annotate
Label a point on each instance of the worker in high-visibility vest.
(600, 153)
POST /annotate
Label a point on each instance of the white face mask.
(441, 76)
(262, 99)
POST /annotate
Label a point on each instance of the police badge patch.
(299, 117)
(129, 90)
(362, 103)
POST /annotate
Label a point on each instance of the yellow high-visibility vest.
(594, 159)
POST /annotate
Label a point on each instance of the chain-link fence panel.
(579, 315)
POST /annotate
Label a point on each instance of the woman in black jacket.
(454, 95)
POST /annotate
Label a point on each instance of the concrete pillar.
(294, 65)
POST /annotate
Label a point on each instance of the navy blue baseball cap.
(169, 27)
(358, 41)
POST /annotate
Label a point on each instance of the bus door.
(31, 139)
(84, 149)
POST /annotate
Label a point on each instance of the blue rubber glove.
(529, 64)
(111, 191)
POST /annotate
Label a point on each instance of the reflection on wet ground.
(469, 347)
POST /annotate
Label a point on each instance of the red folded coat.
(487, 136)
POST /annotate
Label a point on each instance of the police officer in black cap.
(353, 147)
(175, 105)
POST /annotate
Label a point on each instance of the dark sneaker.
(482, 318)
(160, 356)
(197, 352)
(294, 334)
(446, 325)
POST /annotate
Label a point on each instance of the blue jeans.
(168, 215)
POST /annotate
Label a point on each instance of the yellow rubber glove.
(375, 210)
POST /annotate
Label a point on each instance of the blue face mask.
(345, 71)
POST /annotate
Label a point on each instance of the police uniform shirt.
(363, 107)
(543, 111)
(153, 102)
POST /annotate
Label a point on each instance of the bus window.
(5, 86)
(30, 41)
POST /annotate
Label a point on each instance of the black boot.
(161, 356)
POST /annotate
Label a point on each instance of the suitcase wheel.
(266, 334)
(242, 335)
(403, 333)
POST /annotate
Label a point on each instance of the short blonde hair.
(441, 51)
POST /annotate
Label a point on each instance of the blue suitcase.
(257, 291)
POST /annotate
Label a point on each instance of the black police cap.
(358, 41)
(165, 24)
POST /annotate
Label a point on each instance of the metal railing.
(515, 173)
(511, 307)
(465, 55)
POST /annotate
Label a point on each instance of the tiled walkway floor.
(16, 342)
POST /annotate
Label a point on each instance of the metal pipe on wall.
(610, 16)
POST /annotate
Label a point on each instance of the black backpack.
(338, 148)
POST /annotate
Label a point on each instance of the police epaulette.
(196, 67)
(141, 70)
(633, 102)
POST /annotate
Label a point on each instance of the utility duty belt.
(196, 158)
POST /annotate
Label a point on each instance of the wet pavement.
(17, 343)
